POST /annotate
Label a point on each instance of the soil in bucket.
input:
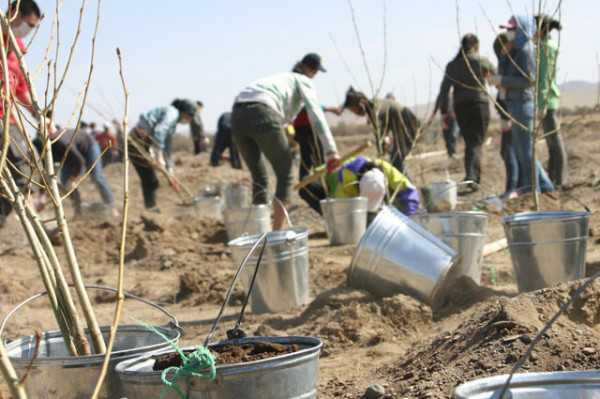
(233, 354)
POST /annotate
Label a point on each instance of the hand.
(333, 161)
(335, 110)
(159, 158)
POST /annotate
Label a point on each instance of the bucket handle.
(262, 239)
(173, 322)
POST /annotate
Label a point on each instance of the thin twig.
(362, 49)
(120, 285)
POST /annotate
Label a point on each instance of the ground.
(179, 259)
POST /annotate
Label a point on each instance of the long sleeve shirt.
(287, 94)
(548, 91)
(160, 123)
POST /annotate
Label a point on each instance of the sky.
(209, 50)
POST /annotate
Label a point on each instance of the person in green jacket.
(549, 98)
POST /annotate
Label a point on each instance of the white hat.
(372, 186)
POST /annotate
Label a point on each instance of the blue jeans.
(522, 140)
(509, 156)
(97, 175)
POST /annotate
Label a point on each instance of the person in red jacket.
(25, 16)
(108, 144)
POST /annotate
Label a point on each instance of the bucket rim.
(344, 200)
(543, 216)
(167, 330)
(273, 237)
(315, 342)
(453, 213)
(522, 380)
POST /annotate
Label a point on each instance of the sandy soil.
(179, 259)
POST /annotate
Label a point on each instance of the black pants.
(473, 120)
(223, 141)
(5, 204)
(557, 164)
(311, 155)
(145, 171)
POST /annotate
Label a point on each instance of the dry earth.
(179, 259)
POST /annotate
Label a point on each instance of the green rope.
(199, 364)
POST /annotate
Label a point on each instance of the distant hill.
(579, 93)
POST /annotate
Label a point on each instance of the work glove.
(333, 161)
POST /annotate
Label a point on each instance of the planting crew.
(466, 75)
(259, 116)
(376, 180)
(154, 134)
(549, 99)
(397, 123)
(23, 21)
(517, 80)
(223, 142)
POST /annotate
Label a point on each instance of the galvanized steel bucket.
(345, 219)
(443, 196)
(290, 376)
(568, 384)
(465, 232)
(282, 282)
(397, 255)
(237, 196)
(247, 221)
(547, 248)
(54, 373)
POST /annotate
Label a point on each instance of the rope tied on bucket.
(199, 364)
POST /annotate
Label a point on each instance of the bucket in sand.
(398, 256)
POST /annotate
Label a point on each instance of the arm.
(316, 116)
(443, 99)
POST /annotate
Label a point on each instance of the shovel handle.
(321, 170)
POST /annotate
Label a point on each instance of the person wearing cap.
(507, 150)
(465, 76)
(222, 142)
(517, 81)
(398, 124)
(260, 113)
(153, 136)
(549, 99)
(376, 180)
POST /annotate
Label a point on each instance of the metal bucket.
(54, 373)
(567, 384)
(282, 282)
(345, 219)
(443, 196)
(396, 255)
(465, 232)
(237, 196)
(547, 248)
(211, 207)
(290, 376)
(247, 221)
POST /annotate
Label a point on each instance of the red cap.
(511, 25)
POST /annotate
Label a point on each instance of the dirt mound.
(207, 286)
(496, 336)
(344, 317)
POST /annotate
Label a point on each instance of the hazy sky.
(210, 50)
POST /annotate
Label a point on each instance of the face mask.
(22, 30)
(511, 35)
